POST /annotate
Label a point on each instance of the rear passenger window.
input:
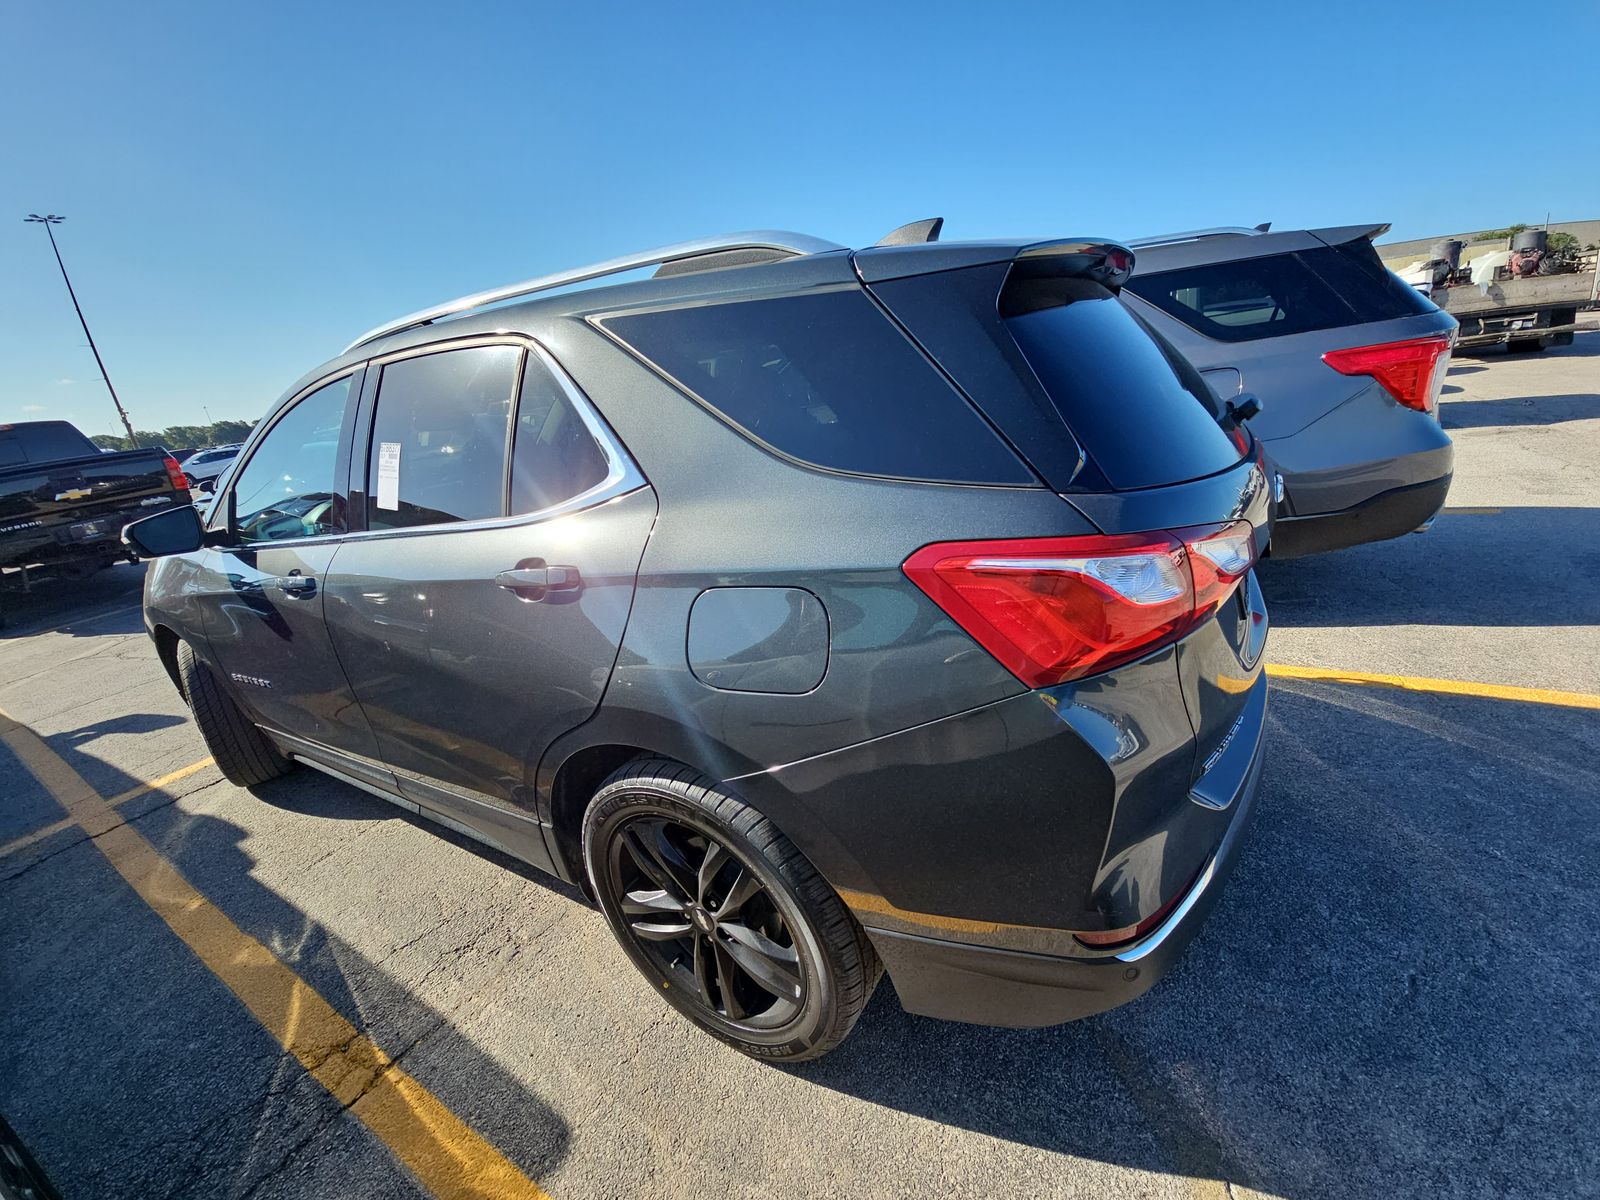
(555, 457)
(827, 379)
(1281, 294)
(440, 437)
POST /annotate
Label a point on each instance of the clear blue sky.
(248, 186)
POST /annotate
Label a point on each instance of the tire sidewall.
(617, 803)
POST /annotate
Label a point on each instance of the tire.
(242, 752)
(762, 913)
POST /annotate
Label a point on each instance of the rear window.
(41, 442)
(1135, 405)
(1282, 294)
(827, 379)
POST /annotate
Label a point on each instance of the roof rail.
(791, 244)
(1195, 235)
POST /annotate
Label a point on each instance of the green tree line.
(180, 437)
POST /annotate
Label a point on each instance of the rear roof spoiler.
(1108, 261)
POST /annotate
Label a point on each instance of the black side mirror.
(1244, 407)
(176, 531)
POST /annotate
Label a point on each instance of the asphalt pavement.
(1398, 994)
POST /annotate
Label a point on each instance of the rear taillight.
(180, 481)
(1405, 369)
(1054, 609)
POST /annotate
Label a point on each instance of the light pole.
(47, 221)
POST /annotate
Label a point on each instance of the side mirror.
(175, 531)
(1244, 407)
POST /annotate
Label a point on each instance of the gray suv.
(818, 611)
(1346, 360)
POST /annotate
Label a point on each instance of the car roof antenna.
(1263, 227)
(915, 234)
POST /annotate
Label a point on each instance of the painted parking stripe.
(445, 1154)
(155, 785)
(1450, 687)
(133, 793)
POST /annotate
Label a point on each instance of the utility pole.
(47, 221)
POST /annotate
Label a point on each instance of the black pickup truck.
(63, 502)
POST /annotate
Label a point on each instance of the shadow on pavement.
(74, 606)
(1520, 410)
(1511, 567)
(131, 1070)
(1396, 996)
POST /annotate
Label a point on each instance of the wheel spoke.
(716, 858)
(727, 976)
(661, 931)
(702, 953)
(646, 843)
(745, 887)
(644, 901)
(775, 968)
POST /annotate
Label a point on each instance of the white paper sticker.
(389, 475)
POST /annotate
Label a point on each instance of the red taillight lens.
(1054, 609)
(180, 481)
(1405, 369)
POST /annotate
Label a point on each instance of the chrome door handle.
(535, 582)
(297, 585)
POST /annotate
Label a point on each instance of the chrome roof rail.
(1194, 235)
(762, 239)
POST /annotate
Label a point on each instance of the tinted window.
(286, 489)
(1282, 294)
(439, 438)
(827, 379)
(42, 441)
(554, 456)
(1136, 406)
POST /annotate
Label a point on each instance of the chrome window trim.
(622, 475)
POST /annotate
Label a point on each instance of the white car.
(203, 466)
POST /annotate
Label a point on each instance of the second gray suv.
(1346, 360)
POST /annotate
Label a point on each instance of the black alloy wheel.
(723, 915)
(705, 920)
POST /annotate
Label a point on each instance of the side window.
(825, 378)
(439, 437)
(286, 489)
(554, 456)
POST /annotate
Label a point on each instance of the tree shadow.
(1396, 994)
(1494, 567)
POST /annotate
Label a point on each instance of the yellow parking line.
(38, 835)
(55, 827)
(155, 785)
(446, 1155)
(1451, 687)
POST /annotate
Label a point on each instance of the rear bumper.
(986, 985)
(1387, 515)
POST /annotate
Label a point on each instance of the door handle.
(536, 582)
(296, 585)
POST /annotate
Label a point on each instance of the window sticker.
(389, 475)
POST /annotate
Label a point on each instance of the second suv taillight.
(180, 481)
(1054, 609)
(1406, 369)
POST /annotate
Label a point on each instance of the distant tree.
(181, 437)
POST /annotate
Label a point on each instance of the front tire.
(723, 915)
(242, 752)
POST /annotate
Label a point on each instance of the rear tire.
(723, 915)
(242, 752)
